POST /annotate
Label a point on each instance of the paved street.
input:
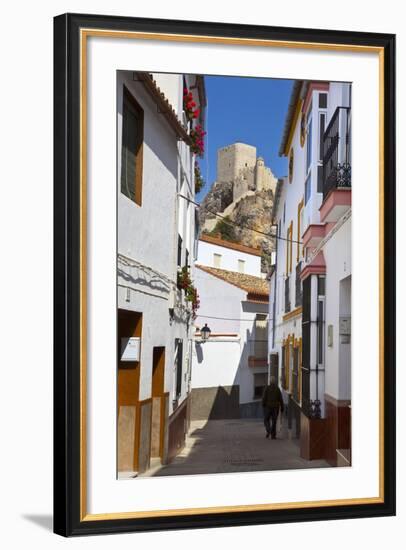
(238, 445)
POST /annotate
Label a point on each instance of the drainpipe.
(275, 273)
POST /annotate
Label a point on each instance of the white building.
(229, 371)
(215, 252)
(310, 309)
(156, 238)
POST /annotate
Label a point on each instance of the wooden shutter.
(131, 148)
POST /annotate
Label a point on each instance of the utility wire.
(224, 318)
(230, 222)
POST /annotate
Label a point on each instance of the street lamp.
(205, 332)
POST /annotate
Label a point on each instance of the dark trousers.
(271, 414)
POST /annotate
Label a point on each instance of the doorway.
(129, 324)
(158, 403)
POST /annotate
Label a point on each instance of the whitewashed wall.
(148, 234)
(339, 96)
(229, 258)
(249, 311)
(337, 253)
(215, 363)
(225, 309)
(220, 303)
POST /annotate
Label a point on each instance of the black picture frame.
(67, 352)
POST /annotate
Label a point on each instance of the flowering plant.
(185, 283)
(199, 182)
(189, 105)
(197, 136)
(184, 280)
(193, 297)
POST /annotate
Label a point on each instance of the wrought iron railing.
(287, 294)
(337, 151)
(298, 286)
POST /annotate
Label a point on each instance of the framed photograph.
(224, 206)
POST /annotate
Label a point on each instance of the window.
(323, 101)
(178, 365)
(302, 230)
(131, 148)
(299, 227)
(291, 164)
(320, 330)
(241, 266)
(179, 251)
(309, 145)
(261, 336)
(260, 381)
(320, 148)
(308, 187)
(284, 212)
(298, 286)
(322, 127)
(216, 260)
(320, 179)
(306, 334)
(187, 258)
(289, 237)
(321, 288)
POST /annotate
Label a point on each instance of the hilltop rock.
(251, 211)
(217, 199)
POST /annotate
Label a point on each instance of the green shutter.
(129, 147)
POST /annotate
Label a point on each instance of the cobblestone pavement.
(222, 446)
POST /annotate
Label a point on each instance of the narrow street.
(237, 445)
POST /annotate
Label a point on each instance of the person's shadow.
(45, 521)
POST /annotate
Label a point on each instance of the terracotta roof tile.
(228, 244)
(250, 283)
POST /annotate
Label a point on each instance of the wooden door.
(129, 323)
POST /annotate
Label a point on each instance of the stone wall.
(215, 403)
(233, 158)
(238, 163)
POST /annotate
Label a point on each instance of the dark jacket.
(272, 397)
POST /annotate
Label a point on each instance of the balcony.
(257, 353)
(313, 235)
(337, 166)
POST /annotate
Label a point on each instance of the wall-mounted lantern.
(205, 332)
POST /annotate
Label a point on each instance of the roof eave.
(296, 94)
(165, 108)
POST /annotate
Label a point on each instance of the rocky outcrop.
(250, 212)
(217, 199)
(238, 206)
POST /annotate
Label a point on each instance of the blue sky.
(251, 110)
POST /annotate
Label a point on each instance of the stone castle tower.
(238, 163)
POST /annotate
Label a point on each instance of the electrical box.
(130, 349)
(345, 325)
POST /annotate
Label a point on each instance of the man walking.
(271, 402)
